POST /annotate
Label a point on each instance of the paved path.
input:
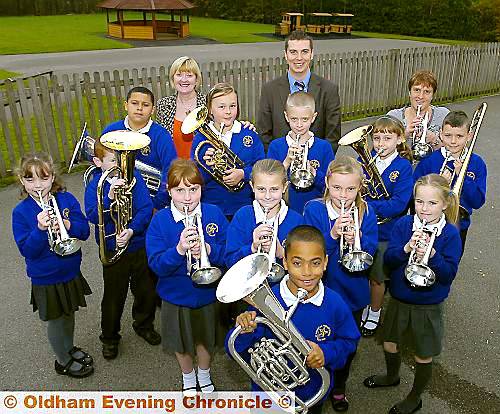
(466, 376)
(100, 60)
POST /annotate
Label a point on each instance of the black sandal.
(208, 385)
(188, 389)
(83, 372)
(86, 359)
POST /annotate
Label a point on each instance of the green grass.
(4, 74)
(228, 31)
(414, 38)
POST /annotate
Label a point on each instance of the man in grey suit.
(271, 121)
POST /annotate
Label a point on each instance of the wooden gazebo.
(148, 29)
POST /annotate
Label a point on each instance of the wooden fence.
(48, 112)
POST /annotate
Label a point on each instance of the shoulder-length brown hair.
(41, 164)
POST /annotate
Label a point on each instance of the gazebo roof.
(146, 4)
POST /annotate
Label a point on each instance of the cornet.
(276, 272)
(417, 272)
(354, 259)
(59, 241)
(301, 176)
(276, 364)
(201, 271)
(420, 148)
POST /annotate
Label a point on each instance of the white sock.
(205, 381)
(372, 316)
(364, 315)
(189, 381)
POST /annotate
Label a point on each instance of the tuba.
(358, 140)
(465, 156)
(224, 158)
(276, 272)
(84, 152)
(301, 176)
(417, 272)
(201, 271)
(419, 147)
(59, 241)
(275, 364)
(124, 144)
(354, 259)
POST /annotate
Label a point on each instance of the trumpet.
(354, 259)
(373, 184)
(420, 148)
(417, 272)
(300, 175)
(276, 364)
(201, 271)
(465, 156)
(124, 144)
(59, 241)
(84, 153)
(224, 158)
(276, 272)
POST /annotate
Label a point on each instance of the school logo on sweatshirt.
(314, 163)
(211, 229)
(393, 176)
(322, 332)
(248, 141)
(146, 150)
(65, 213)
(471, 174)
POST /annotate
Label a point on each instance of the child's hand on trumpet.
(262, 236)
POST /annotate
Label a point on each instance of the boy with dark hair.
(323, 318)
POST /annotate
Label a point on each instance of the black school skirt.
(54, 301)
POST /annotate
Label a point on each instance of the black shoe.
(150, 336)
(370, 383)
(86, 359)
(83, 372)
(339, 405)
(109, 351)
(396, 410)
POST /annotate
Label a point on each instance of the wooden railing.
(47, 112)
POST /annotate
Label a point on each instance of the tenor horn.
(276, 364)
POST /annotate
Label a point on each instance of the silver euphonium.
(276, 364)
(417, 272)
(59, 241)
(301, 176)
(277, 272)
(351, 256)
(419, 146)
(84, 153)
(201, 271)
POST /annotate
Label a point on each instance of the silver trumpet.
(354, 259)
(301, 176)
(276, 364)
(417, 272)
(419, 146)
(201, 271)
(59, 241)
(276, 272)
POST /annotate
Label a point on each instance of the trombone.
(417, 272)
(419, 147)
(201, 271)
(300, 175)
(59, 241)
(276, 271)
(354, 259)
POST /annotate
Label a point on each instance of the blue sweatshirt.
(320, 155)
(330, 325)
(448, 248)
(142, 209)
(240, 232)
(248, 147)
(43, 266)
(353, 288)
(473, 194)
(398, 181)
(174, 284)
(158, 154)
